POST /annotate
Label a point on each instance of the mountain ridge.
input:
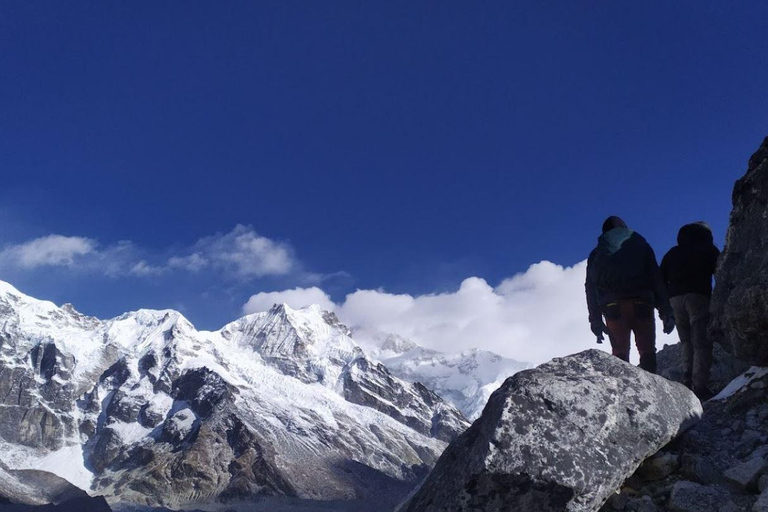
(272, 404)
(466, 378)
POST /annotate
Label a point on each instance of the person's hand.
(669, 323)
(598, 328)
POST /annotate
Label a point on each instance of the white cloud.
(143, 269)
(193, 263)
(533, 316)
(241, 251)
(296, 298)
(48, 251)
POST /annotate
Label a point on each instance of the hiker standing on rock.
(687, 270)
(624, 284)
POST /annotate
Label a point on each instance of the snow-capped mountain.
(145, 409)
(465, 379)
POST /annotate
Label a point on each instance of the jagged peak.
(284, 308)
(283, 331)
(307, 315)
(149, 317)
(398, 344)
(140, 329)
(41, 316)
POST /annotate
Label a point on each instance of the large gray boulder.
(560, 437)
(740, 297)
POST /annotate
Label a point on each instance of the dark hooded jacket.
(689, 266)
(623, 266)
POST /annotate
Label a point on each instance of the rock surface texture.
(561, 437)
(716, 466)
(740, 297)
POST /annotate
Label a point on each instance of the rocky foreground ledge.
(719, 465)
(560, 437)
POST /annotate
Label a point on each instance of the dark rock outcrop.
(84, 504)
(561, 437)
(200, 451)
(40, 491)
(35, 404)
(725, 367)
(740, 297)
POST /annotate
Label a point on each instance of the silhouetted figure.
(687, 270)
(624, 284)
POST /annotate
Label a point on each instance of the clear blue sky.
(401, 145)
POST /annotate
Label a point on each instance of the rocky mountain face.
(740, 315)
(145, 409)
(31, 490)
(561, 437)
(465, 379)
(315, 347)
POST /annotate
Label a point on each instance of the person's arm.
(591, 289)
(593, 302)
(660, 294)
(664, 268)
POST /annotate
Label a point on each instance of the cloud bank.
(241, 251)
(533, 316)
(239, 254)
(48, 251)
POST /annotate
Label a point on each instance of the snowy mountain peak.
(39, 318)
(466, 378)
(153, 327)
(395, 344)
(272, 404)
(296, 334)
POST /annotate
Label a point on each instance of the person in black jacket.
(687, 270)
(624, 284)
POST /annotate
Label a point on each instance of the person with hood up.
(624, 284)
(687, 270)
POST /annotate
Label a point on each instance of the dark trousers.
(628, 316)
(692, 317)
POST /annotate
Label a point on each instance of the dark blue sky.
(408, 145)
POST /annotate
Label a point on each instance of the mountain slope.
(145, 409)
(465, 379)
